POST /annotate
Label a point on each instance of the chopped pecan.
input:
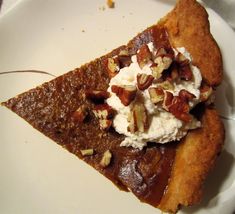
(124, 61)
(180, 109)
(143, 55)
(174, 74)
(180, 58)
(194, 123)
(106, 159)
(112, 66)
(103, 111)
(205, 92)
(138, 118)
(163, 63)
(156, 72)
(87, 152)
(80, 114)
(144, 81)
(161, 51)
(156, 94)
(97, 95)
(123, 52)
(126, 93)
(178, 106)
(186, 117)
(186, 95)
(166, 85)
(105, 124)
(168, 98)
(167, 60)
(171, 74)
(185, 71)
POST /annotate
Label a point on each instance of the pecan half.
(97, 95)
(143, 56)
(126, 93)
(112, 66)
(138, 118)
(144, 81)
(156, 94)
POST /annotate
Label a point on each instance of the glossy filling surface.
(50, 109)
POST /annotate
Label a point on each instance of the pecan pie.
(72, 110)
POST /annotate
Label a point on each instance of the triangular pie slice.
(164, 175)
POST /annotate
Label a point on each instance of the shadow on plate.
(225, 94)
(214, 182)
(224, 8)
(0, 5)
(221, 177)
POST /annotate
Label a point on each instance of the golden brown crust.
(188, 26)
(195, 156)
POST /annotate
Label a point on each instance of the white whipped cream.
(164, 127)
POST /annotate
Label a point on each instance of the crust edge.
(197, 152)
(206, 53)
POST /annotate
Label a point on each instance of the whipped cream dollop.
(163, 125)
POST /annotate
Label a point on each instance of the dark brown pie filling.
(50, 107)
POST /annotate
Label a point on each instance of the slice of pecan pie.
(142, 115)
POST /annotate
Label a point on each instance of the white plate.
(37, 176)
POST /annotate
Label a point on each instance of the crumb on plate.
(110, 3)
